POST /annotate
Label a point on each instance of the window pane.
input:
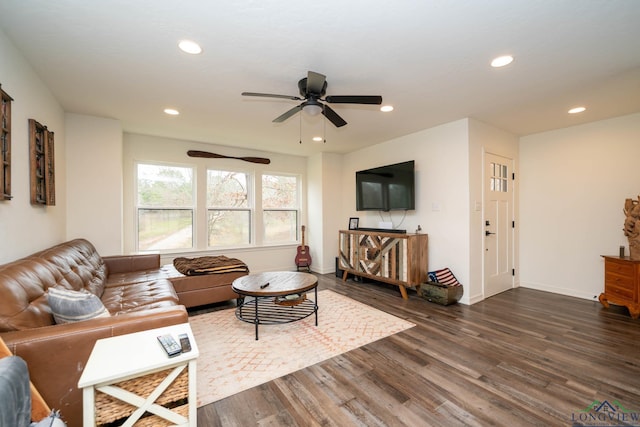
(229, 227)
(280, 226)
(165, 186)
(160, 229)
(279, 192)
(227, 189)
(280, 205)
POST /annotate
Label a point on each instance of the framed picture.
(353, 223)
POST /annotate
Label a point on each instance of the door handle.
(488, 233)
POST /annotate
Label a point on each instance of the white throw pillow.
(53, 420)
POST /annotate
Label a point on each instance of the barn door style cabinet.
(5, 145)
(398, 259)
(42, 166)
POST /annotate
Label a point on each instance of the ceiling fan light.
(312, 109)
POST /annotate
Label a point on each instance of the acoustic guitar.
(303, 258)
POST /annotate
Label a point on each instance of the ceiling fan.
(312, 89)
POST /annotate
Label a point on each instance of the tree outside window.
(165, 206)
(228, 208)
(280, 207)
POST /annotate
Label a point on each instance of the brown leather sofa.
(135, 295)
(192, 291)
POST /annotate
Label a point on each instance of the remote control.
(170, 345)
(185, 344)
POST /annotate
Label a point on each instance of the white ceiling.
(429, 59)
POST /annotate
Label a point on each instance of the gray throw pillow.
(73, 306)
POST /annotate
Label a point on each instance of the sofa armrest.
(127, 263)
(56, 355)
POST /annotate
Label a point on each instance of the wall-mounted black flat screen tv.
(386, 188)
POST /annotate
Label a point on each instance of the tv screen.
(386, 188)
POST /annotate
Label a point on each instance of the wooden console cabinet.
(398, 259)
(621, 283)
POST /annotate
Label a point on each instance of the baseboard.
(472, 299)
(591, 296)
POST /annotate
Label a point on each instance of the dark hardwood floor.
(523, 357)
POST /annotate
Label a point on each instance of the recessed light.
(317, 139)
(576, 110)
(386, 108)
(171, 111)
(189, 46)
(501, 61)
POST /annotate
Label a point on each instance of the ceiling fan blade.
(333, 116)
(354, 99)
(270, 95)
(288, 114)
(315, 82)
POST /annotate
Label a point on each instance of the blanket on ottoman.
(209, 265)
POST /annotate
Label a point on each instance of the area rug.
(231, 360)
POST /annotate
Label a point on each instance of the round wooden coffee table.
(276, 297)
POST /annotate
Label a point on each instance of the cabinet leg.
(344, 276)
(403, 292)
(603, 300)
(634, 311)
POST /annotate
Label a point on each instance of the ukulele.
(303, 259)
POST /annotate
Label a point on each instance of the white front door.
(498, 224)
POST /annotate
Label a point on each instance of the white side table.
(121, 369)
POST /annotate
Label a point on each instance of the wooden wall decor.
(208, 155)
(632, 226)
(5, 146)
(42, 164)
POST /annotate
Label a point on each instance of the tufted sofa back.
(79, 263)
(23, 283)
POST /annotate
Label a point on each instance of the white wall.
(157, 149)
(324, 209)
(315, 211)
(24, 228)
(573, 185)
(441, 157)
(94, 173)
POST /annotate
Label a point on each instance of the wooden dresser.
(621, 283)
(398, 259)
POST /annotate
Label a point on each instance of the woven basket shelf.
(109, 410)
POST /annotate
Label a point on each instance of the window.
(228, 208)
(499, 179)
(280, 207)
(165, 206)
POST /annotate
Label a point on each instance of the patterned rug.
(231, 360)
